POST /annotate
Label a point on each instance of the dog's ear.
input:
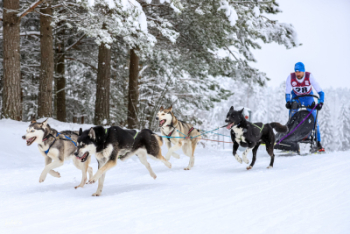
(33, 120)
(231, 109)
(161, 108)
(169, 109)
(92, 134)
(44, 124)
(80, 131)
(241, 111)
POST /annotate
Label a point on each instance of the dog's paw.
(269, 167)
(175, 155)
(249, 167)
(246, 160)
(42, 178)
(55, 174)
(79, 186)
(91, 181)
(187, 168)
(96, 194)
(154, 176)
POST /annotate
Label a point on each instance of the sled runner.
(301, 129)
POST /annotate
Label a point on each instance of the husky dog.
(147, 143)
(172, 127)
(56, 147)
(251, 136)
(108, 145)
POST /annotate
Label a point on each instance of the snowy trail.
(299, 195)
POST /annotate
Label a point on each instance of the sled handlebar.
(299, 105)
(307, 95)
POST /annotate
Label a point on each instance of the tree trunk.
(11, 95)
(47, 63)
(133, 95)
(60, 80)
(103, 86)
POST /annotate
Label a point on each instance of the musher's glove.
(312, 105)
(319, 106)
(288, 105)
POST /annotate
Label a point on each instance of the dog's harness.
(57, 137)
(136, 135)
(261, 128)
(171, 133)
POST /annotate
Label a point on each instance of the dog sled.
(302, 128)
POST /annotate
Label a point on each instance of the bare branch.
(76, 43)
(29, 9)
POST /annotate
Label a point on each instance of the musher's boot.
(320, 148)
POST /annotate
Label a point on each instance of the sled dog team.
(110, 144)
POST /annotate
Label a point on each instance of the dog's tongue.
(161, 122)
(229, 126)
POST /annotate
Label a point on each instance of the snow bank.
(299, 195)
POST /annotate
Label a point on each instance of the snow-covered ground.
(299, 195)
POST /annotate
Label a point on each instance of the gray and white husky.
(56, 147)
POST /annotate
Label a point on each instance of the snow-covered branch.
(85, 63)
(29, 9)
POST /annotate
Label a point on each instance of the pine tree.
(339, 133)
(326, 128)
(261, 112)
(346, 128)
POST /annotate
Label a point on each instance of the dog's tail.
(279, 127)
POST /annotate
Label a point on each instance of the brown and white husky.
(181, 135)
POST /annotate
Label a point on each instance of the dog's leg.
(112, 162)
(168, 145)
(101, 179)
(188, 149)
(255, 149)
(142, 154)
(83, 166)
(172, 149)
(235, 147)
(245, 153)
(162, 159)
(48, 160)
(269, 149)
(90, 171)
(48, 168)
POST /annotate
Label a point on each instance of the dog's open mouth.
(162, 122)
(30, 141)
(84, 157)
(229, 126)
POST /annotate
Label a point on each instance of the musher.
(302, 83)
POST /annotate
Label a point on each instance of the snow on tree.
(339, 133)
(326, 127)
(346, 128)
(261, 111)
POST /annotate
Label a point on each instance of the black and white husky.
(110, 144)
(251, 135)
(56, 147)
